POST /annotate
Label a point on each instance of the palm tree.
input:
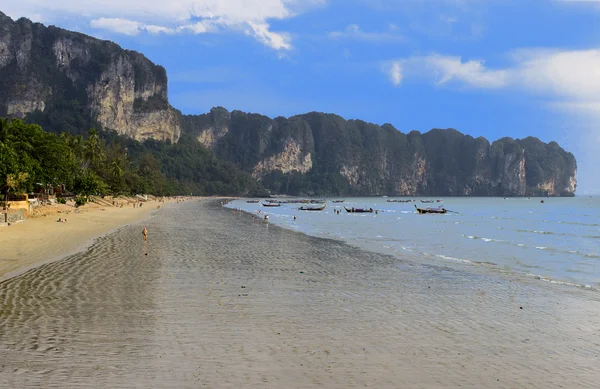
(116, 169)
(93, 150)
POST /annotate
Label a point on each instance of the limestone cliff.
(47, 72)
(257, 143)
(67, 81)
(291, 158)
(319, 153)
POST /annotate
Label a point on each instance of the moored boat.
(252, 201)
(359, 210)
(337, 201)
(427, 201)
(271, 204)
(304, 208)
(431, 210)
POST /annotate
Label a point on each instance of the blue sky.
(488, 68)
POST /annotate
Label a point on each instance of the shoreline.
(476, 268)
(42, 240)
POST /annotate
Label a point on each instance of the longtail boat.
(271, 205)
(252, 201)
(427, 201)
(359, 210)
(303, 208)
(431, 210)
(393, 201)
(337, 201)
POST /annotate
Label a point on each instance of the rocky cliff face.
(67, 81)
(319, 153)
(47, 71)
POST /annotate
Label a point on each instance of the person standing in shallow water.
(145, 234)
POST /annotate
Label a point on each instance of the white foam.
(454, 259)
(550, 280)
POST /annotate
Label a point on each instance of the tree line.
(105, 163)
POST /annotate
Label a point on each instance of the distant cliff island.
(69, 82)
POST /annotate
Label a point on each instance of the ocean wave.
(553, 281)
(569, 252)
(580, 224)
(540, 232)
(493, 240)
(484, 239)
(485, 263)
(453, 259)
(559, 234)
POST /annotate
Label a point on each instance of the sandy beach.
(42, 239)
(214, 299)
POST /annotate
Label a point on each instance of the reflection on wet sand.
(225, 302)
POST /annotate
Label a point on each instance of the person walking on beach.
(145, 234)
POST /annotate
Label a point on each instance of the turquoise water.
(558, 240)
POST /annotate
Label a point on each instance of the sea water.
(557, 240)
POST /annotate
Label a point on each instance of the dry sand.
(42, 239)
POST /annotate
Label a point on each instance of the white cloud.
(395, 73)
(353, 31)
(152, 29)
(570, 76)
(573, 75)
(121, 26)
(445, 69)
(262, 33)
(176, 16)
(128, 27)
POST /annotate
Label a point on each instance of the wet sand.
(221, 302)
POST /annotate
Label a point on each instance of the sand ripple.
(219, 301)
